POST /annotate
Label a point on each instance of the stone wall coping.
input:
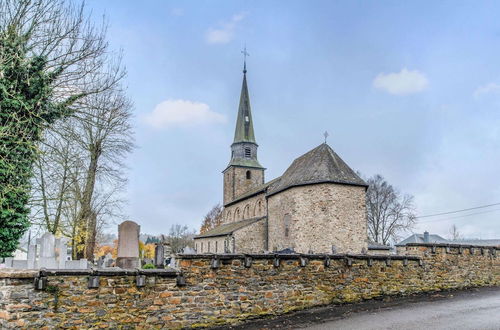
(18, 273)
(453, 245)
(227, 256)
(169, 272)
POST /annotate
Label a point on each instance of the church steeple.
(244, 147)
(244, 124)
(244, 171)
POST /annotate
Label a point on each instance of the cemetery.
(203, 290)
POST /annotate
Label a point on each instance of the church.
(316, 206)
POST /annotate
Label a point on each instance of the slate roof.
(229, 228)
(419, 238)
(244, 124)
(245, 162)
(320, 165)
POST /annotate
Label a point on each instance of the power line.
(457, 211)
(460, 216)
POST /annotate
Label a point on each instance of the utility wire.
(459, 216)
(457, 211)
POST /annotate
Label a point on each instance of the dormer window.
(248, 153)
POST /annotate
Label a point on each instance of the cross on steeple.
(245, 54)
(326, 135)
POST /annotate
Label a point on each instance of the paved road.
(478, 311)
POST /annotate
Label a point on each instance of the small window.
(208, 247)
(248, 153)
(249, 175)
(196, 247)
(201, 247)
(287, 225)
(215, 246)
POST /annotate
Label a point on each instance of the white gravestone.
(31, 256)
(47, 251)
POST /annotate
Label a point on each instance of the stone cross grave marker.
(128, 245)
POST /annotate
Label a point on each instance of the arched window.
(248, 153)
(228, 216)
(287, 225)
(237, 214)
(249, 175)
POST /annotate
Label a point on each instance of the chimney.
(426, 236)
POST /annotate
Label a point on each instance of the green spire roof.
(244, 123)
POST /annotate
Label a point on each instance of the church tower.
(244, 171)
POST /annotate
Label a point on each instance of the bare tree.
(74, 47)
(389, 212)
(179, 237)
(71, 50)
(455, 235)
(212, 219)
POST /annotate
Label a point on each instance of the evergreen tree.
(25, 109)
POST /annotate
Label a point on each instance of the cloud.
(182, 113)
(225, 32)
(490, 88)
(402, 83)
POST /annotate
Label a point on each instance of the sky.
(408, 90)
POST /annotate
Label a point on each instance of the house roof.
(229, 228)
(419, 238)
(320, 165)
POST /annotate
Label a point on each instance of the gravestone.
(100, 262)
(47, 251)
(172, 262)
(62, 250)
(31, 257)
(108, 260)
(160, 255)
(128, 245)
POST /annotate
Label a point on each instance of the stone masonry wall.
(213, 244)
(321, 216)
(248, 208)
(222, 289)
(236, 184)
(251, 239)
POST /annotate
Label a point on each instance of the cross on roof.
(245, 54)
(326, 135)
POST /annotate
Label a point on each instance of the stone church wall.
(236, 183)
(215, 290)
(213, 244)
(251, 239)
(319, 216)
(252, 207)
